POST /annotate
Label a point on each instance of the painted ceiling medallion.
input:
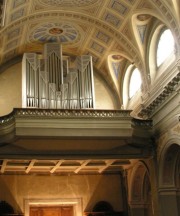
(68, 3)
(117, 57)
(143, 17)
(55, 32)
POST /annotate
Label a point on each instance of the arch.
(103, 206)
(155, 69)
(126, 86)
(6, 208)
(170, 164)
(134, 82)
(169, 177)
(165, 39)
(137, 182)
(140, 190)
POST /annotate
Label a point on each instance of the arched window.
(134, 83)
(165, 46)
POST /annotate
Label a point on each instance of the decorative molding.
(146, 123)
(68, 3)
(171, 88)
(48, 113)
(61, 114)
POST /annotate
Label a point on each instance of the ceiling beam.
(30, 166)
(108, 163)
(82, 166)
(56, 166)
(3, 167)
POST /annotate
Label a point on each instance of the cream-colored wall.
(10, 89)
(103, 97)
(14, 189)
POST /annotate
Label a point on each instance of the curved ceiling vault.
(101, 28)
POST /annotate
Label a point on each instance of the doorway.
(51, 211)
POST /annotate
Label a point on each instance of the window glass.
(135, 82)
(165, 46)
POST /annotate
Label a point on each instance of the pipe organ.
(48, 82)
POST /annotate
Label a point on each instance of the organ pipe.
(46, 85)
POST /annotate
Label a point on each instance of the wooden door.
(51, 211)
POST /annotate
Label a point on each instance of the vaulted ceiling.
(112, 31)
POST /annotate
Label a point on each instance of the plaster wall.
(10, 89)
(103, 97)
(15, 189)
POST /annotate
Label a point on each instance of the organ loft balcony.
(73, 133)
(58, 119)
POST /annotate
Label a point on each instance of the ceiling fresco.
(55, 32)
(101, 28)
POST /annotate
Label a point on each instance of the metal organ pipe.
(49, 87)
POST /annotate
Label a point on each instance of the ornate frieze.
(41, 113)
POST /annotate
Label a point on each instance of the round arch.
(140, 190)
(170, 164)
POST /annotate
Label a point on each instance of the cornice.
(153, 104)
